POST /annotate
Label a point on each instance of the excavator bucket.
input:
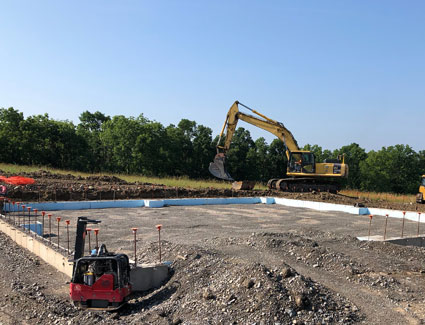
(218, 169)
(243, 185)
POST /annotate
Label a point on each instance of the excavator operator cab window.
(423, 181)
(308, 162)
(295, 163)
(301, 162)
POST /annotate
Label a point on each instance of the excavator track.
(301, 185)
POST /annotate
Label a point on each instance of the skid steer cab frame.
(100, 281)
(420, 197)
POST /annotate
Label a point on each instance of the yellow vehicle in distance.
(421, 195)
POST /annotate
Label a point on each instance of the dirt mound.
(209, 287)
(59, 187)
(106, 179)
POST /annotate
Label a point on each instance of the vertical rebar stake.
(88, 231)
(14, 213)
(43, 213)
(135, 248)
(159, 241)
(402, 226)
(9, 211)
(36, 221)
(67, 234)
(385, 229)
(29, 219)
(4, 208)
(96, 232)
(58, 219)
(419, 221)
(23, 216)
(370, 224)
(17, 212)
(50, 227)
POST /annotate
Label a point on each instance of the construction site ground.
(242, 264)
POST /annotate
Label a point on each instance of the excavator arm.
(217, 168)
(265, 123)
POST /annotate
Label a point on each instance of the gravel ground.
(255, 264)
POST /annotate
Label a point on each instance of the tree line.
(119, 144)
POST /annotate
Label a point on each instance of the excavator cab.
(301, 162)
(420, 197)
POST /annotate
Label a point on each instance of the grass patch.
(374, 196)
(168, 181)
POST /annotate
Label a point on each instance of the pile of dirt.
(209, 287)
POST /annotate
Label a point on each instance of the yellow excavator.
(304, 173)
(420, 197)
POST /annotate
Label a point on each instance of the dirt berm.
(58, 187)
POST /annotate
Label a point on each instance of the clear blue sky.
(334, 72)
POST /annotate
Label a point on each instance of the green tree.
(237, 162)
(151, 144)
(10, 135)
(354, 155)
(319, 154)
(203, 151)
(119, 138)
(392, 169)
(277, 160)
(90, 128)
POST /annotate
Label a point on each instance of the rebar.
(370, 224)
(29, 219)
(159, 241)
(17, 212)
(402, 227)
(385, 229)
(67, 233)
(135, 248)
(14, 213)
(58, 220)
(88, 231)
(23, 216)
(96, 232)
(43, 213)
(50, 227)
(36, 221)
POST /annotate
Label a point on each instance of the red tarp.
(17, 180)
